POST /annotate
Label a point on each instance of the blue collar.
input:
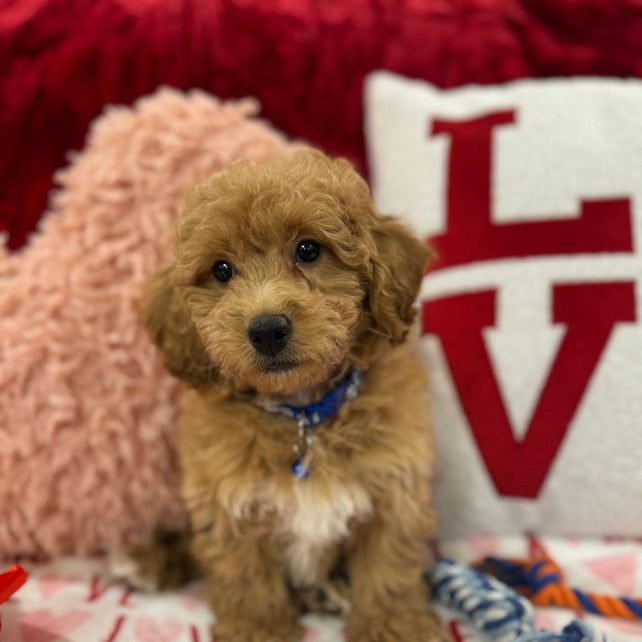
(316, 413)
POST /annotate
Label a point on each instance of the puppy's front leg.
(245, 586)
(389, 597)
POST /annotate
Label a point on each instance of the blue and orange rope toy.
(496, 609)
(542, 581)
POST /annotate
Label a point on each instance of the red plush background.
(61, 61)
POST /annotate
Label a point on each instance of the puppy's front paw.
(326, 598)
(165, 563)
(140, 566)
(274, 630)
(396, 627)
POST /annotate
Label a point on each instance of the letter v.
(589, 311)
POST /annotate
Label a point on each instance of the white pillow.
(531, 193)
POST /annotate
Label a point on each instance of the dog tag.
(299, 469)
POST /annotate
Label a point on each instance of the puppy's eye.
(307, 251)
(223, 271)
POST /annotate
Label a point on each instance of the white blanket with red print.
(77, 600)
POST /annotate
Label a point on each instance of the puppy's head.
(281, 273)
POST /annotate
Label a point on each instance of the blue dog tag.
(299, 469)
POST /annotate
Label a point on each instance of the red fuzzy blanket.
(61, 61)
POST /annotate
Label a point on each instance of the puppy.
(305, 438)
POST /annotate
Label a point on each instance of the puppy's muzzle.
(270, 333)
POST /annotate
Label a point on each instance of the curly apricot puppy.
(306, 443)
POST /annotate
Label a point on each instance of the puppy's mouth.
(277, 367)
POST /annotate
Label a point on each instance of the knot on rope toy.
(539, 578)
(494, 608)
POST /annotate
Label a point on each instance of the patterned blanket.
(77, 600)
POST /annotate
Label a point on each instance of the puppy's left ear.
(399, 262)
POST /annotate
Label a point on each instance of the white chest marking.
(314, 521)
(313, 515)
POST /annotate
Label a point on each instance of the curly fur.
(259, 534)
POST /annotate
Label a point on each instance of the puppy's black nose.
(270, 333)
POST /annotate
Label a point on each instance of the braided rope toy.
(543, 582)
(496, 609)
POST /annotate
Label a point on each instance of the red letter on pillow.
(519, 468)
(604, 226)
(588, 310)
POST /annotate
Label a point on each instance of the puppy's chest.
(314, 518)
(319, 514)
(317, 510)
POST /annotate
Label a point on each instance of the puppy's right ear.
(171, 329)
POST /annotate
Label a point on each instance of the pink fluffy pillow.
(87, 413)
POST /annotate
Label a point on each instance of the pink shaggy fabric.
(87, 414)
